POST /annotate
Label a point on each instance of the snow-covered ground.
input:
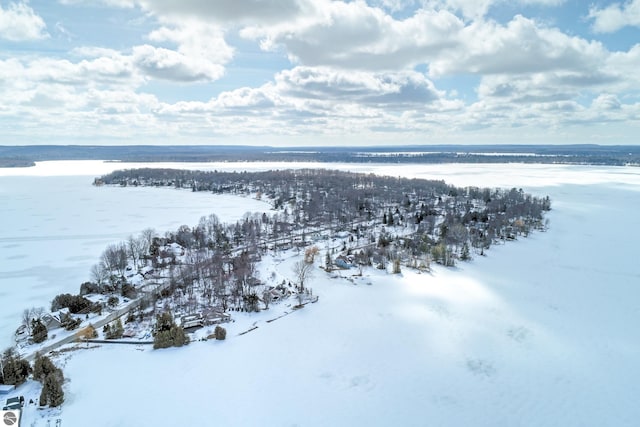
(541, 332)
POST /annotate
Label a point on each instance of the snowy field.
(541, 332)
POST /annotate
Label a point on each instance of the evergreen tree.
(15, 370)
(39, 331)
(52, 393)
(114, 331)
(42, 367)
(220, 333)
(167, 333)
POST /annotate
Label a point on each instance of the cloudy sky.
(319, 72)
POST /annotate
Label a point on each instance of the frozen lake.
(541, 332)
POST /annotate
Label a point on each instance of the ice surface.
(541, 332)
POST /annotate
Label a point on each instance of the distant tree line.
(544, 154)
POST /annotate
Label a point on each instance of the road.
(72, 337)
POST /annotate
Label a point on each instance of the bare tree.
(114, 258)
(99, 273)
(26, 319)
(303, 271)
(137, 248)
(267, 297)
(30, 314)
(146, 237)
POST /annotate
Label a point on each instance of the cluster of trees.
(51, 379)
(167, 333)
(16, 370)
(113, 330)
(109, 274)
(75, 303)
(344, 200)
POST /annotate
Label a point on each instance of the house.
(192, 321)
(276, 294)
(213, 317)
(51, 321)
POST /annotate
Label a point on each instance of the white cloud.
(382, 90)
(201, 55)
(116, 70)
(229, 11)
(168, 64)
(395, 5)
(354, 35)
(323, 90)
(615, 16)
(322, 102)
(477, 9)
(520, 47)
(607, 101)
(113, 3)
(19, 22)
(471, 9)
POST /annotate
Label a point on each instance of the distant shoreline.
(16, 163)
(598, 155)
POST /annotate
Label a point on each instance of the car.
(14, 403)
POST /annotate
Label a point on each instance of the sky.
(319, 72)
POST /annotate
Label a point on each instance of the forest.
(383, 217)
